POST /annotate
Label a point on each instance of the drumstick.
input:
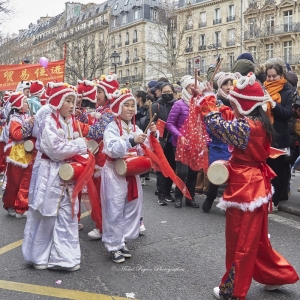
(79, 129)
(216, 70)
(95, 150)
(152, 119)
(30, 109)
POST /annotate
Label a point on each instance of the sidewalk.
(292, 206)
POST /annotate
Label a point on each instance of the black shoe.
(207, 204)
(172, 191)
(162, 200)
(178, 202)
(125, 251)
(169, 198)
(117, 256)
(147, 178)
(191, 203)
(156, 193)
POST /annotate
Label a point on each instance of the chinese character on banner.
(8, 75)
(40, 72)
(24, 75)
(56, 70)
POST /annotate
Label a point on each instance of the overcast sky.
(29, 11)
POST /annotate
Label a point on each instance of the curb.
(289, 209)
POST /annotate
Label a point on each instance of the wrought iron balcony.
(126, 43)
(135, 40)
(217, 21)
(187, 50)
(120, 44)
(126, 61)
(113, 46)
(230, 43)
(189, 27)
(135, 59)
(202, 47)
(230, 18)
(202, 24)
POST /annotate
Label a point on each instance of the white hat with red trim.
(22, 85)
(119, 98)
(109, 84)
(247, 94)
(59, 92)
(17, 100)
(87, 89)
(6, 96)
(36, 88)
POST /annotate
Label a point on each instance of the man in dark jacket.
(162, 108)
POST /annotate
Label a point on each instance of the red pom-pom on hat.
(121, 97)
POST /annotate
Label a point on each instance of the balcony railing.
(135, 59)
(230, 18)
(120, 44)
(126, 61)
(230, 43)
(120, 63)
(270, 2)
(202, 24)
(133, 78)
(113, 46)
(135, 40)
(126, 43)
(189, 27)
(202, 47)
(187, 50)
(217, 21)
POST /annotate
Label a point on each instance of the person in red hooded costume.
(249, 253)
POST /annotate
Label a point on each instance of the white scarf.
(186, 97)
(222, 93)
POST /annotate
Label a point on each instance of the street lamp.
(115, 59)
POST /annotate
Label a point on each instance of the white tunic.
(51, 233)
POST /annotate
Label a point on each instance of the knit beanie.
(276, 60)
(246, 55)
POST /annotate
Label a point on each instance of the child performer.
(121, 200)
(249, 253)
(51, 233)
(19, 161)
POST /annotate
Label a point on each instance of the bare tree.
(169, 40)
(86, 57)
(4, 9)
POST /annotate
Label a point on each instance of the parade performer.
(121, 200)
(106, 86)
(51, 233)
(24, 87)
(19, 161)
(36, 90)
(249, 253)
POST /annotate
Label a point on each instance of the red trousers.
(249, 254)
(17, 187)
(2, 157)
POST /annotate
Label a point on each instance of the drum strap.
(132, 192)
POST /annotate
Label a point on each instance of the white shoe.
(142, 226)
(11, 211)
(80, 226)
(143, 181)
(217, 292)
(19, 216)
(75, 268)
(293, 172)
(95, 234)
(274, 208)
(268, 287)
(40, 267)
(3, 186)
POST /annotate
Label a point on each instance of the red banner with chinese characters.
(11, 75)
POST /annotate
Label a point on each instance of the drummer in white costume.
(51, 233)
(121, 211)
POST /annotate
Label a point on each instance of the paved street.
(181, 256)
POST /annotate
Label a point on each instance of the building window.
(218, 38)
(127, 55)
(135, 34)
(135, 53)
(135, 71)
(231, 11)
(269, 51)
(287, 51)
(125, 18)
(172, 23)
(120, 74)
(114, 22)
(252, 50)
(101, 37)
(189, 65)
(252, 26)
(127, 73)
(153, 14)
(202, 40)
(120, 39)
(270, 24)
(203, 65)
(203, 17)
(136, 14)
(231, 60)
(288, 20)
(189, 43)
(217, 13)
(127, 38)
(113, 42)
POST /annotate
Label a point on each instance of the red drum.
(132, 165)
(28, 145)
(218, 172)
(71, 171)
